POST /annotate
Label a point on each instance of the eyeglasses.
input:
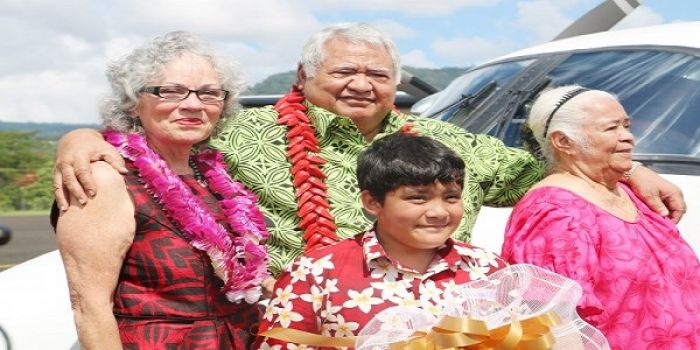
(179, 93)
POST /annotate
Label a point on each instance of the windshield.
(659, 90)
(482, 81)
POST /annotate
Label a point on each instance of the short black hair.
(406, 160)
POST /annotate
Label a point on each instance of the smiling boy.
(412, 185)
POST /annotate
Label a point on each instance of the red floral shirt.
(336, 290)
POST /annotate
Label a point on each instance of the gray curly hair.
(314, 51)
(128, 75)
(569, 118)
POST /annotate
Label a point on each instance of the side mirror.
(5, 234)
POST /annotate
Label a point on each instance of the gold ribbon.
(466, 334)
(451, 333)
(300, 337)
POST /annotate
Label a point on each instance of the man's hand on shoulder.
(74, 153)
(658, 193)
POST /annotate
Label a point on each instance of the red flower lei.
(313, 208)
(239, 259)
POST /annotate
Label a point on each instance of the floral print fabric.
(641, 280)
(336, 290)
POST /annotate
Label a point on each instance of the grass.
(25, 213)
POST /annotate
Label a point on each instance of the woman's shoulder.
(546, 204)
(548, 212)
(548, 193)
(105, 175)
(111, 206)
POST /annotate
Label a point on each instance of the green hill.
(48, 131)
(273, 85)
(281, 82)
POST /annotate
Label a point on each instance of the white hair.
(128, 75)
(314, 50)
(569, 118)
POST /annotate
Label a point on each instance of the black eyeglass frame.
(155, 90)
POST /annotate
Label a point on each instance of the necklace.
(197, 174)
(316, 221)
(238, 258)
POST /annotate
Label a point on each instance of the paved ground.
(31, 237)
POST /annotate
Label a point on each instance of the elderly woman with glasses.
(169, 255)
(640, 279)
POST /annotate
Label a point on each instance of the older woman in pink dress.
(641, 280)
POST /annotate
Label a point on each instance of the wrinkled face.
(180, 123)
(610, 141)
(414, 218)
(354, 80)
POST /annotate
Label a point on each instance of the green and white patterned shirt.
(255, 149)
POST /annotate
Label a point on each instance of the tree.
(25, 171)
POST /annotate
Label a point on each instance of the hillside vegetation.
(26, 171)
(281, 82)
(47, 131)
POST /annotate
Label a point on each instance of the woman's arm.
(93, 240)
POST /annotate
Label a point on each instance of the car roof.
(679, 34)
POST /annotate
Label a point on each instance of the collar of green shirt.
(323, 120)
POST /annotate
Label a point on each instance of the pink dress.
(640, 279)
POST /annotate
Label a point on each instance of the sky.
(53, 53)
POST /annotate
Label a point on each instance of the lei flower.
(313, 209)
(239, 259)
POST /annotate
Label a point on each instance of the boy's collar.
(373, 251)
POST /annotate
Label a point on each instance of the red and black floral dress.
(168, 296)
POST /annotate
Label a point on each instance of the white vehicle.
(654, 71)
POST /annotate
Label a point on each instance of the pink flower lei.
(239, 259)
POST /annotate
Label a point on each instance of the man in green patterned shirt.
(299, 156)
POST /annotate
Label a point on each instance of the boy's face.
(416, 218)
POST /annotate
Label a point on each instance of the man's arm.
(514, 171)
(74, 153)
(659, 194)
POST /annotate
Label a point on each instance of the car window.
(468, 90)
(659, 90)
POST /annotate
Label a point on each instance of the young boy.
(412, 185)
